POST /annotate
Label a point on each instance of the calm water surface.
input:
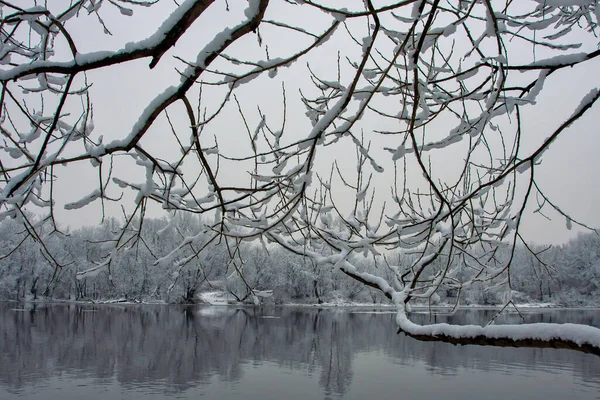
(153, 352)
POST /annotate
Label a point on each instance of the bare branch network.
(336, 133)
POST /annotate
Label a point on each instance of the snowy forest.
(567, 275)
(306, 153)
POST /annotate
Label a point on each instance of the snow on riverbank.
(224, 298)
(220, 298)
(217, 298)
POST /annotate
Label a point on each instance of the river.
(87, 352)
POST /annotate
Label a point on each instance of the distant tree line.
(144, 270)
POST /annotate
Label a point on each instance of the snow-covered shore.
(220, 298)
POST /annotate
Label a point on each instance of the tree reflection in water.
(177, 348)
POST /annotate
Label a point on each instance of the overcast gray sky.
(568, 174)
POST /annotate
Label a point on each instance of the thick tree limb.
(482, 340)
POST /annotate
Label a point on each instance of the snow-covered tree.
(369, 128)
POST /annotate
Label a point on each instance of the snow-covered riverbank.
(221, 298)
